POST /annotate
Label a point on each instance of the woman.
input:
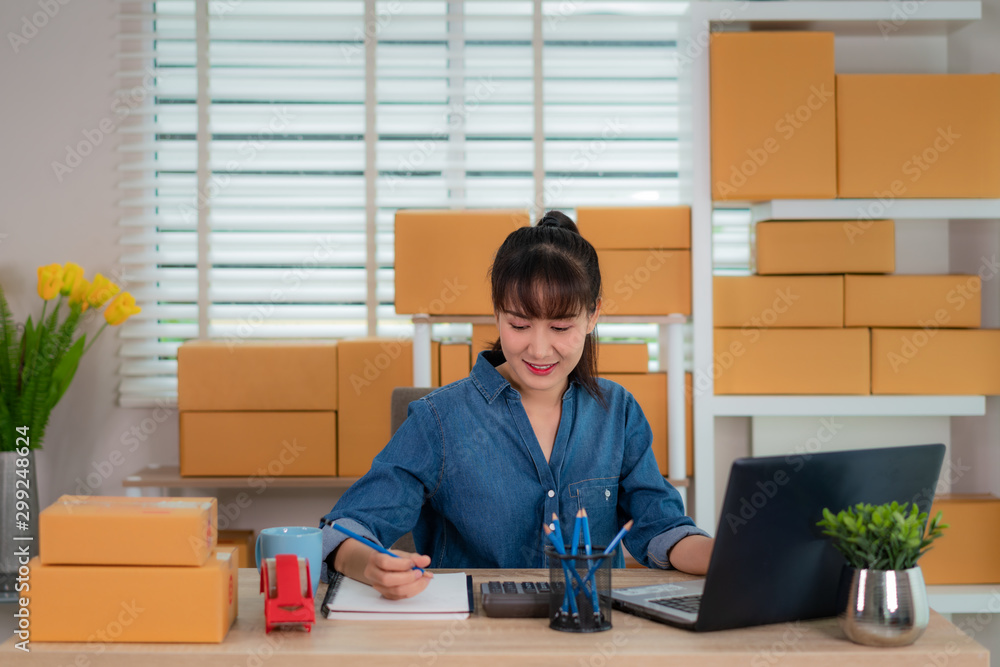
(480, 464)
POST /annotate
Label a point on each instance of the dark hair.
(551, 255)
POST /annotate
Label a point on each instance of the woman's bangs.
(546, 290)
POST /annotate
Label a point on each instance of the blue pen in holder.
(587, 607)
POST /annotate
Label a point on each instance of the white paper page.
(445, 597)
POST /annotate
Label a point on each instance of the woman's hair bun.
(560, 220)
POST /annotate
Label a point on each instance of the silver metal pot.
(883, 607)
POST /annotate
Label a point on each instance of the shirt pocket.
(600, 498)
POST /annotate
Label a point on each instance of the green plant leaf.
(64, 371)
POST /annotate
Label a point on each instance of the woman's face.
(542, 353)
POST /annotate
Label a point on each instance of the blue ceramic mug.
(298, 540)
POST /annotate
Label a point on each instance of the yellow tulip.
(101, 289)
(122, 308)
(78, 297)
(49, 281)
(71, 273)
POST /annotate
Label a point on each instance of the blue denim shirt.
(466, 474)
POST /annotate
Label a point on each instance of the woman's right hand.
(394, 578)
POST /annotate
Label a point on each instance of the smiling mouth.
(540, 370)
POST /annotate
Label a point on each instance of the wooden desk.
(523, 642)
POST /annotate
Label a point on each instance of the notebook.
(447, 597)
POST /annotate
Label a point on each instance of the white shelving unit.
(848, 406)
(844, 18)
(671, 340)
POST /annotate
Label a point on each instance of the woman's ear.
(592, 320)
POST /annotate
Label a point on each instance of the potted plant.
(37, 362)
(883, 599)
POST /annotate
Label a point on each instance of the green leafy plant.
(881, 537)
(38, 360)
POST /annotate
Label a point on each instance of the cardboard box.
(370, 368)
(650, 391)
(116, 603)
(918, 135)
(645, 282)
(259, 444)
(455, 359)
(635, 228)
(949, 301)
(257, 375)
(967, 551)
(773, 115)
(622, 358)
(244, 542)
(442, 259)
(111, 530)
(941, 361)
(834, 246)
(778, 301)
(792, 361)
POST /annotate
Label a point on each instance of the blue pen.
(575, 544)
(587, 548)
(610, 548)
(568, 573)
(367, 542)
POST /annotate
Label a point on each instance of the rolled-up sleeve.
(647, 498)
(385, 503)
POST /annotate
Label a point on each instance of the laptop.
(771, 563)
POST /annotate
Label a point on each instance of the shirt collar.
(489, 381)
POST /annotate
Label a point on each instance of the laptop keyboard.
(686, 603)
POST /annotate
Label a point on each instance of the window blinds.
(325, 116)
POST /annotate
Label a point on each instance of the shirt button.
(607, 493)
(552, 494)
(552, 526)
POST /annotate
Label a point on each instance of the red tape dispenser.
(285, 578)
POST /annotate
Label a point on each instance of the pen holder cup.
(588, 607)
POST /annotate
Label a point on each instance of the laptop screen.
(771, 562)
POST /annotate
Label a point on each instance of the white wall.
(56, 87)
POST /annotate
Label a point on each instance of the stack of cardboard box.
(785, 126)
(257, 408)
(131, 570)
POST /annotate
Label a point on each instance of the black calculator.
(521, 599)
